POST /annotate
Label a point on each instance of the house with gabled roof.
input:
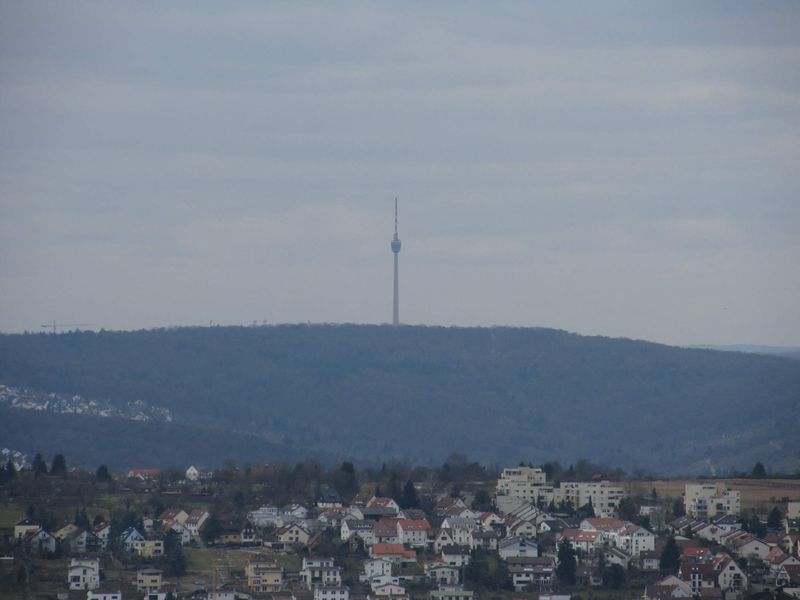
(633, 539)
(788, 576)
(517, 546)
(698, 576)
(24, 527)
(102, 531)
(128, 537)
(413, 532)
(392, 552)
(195, 521)
(730, 576)
(489, 521)
(383, 502)
(385, 532)
(329, 498)
(583, 541)
(746, 545)
(294, 533)
(41, 542)
(173, 515)
(456, 556)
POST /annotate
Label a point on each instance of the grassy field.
(10, 515)
(759, 494)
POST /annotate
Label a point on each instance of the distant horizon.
(734, 347)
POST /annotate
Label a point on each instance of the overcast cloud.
(617, 168)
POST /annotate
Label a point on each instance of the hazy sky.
(617, 168)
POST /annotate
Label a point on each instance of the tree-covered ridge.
(419, 393)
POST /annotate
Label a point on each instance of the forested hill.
(419, 393)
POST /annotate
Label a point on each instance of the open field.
(758, 494)
(9, 515)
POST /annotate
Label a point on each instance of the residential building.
(83, 574)
(148, 580)
(266, 516)
(526, 483)
(518, 546)
(451, 592)
(263, 576)
(104, 596)
(603, 496)
(710, 500)
(331, 592)
(320, 571)
(24, 527)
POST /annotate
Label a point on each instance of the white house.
(331, 592)
(363, 529)
(83, 574)
(730, 576)
(413, 532)
(442, 574)
(376, 567)
(195, 521)
(265, 516)
(184, 535)
(320, 572)
(634, 540)
(192, 474)
(104, 596)
(456, 556)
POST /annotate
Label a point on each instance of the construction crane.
(56, 326)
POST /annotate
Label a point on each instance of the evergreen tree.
(482, 500)
(586, 511)
(39, 466)
(10, 470)
(678, 509)
(102, 473)
(775, 518)
(613, 577)
(59, 465)
(670, 559)
(409, 497)
(173, 550)
(759, 472)
(567, 565)
(211, 529)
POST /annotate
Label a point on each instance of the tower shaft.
(396, 311)
(396, 245)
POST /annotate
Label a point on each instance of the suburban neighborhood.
(521, 535)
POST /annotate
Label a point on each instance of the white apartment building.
(710, 500)
(527, 483)
(604, 497)
(83, 574)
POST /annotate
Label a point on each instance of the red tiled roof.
(392, 550)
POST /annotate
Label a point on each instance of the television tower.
(396, 250)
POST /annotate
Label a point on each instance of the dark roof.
(330, 495)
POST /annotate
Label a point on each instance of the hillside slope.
(499, 395)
